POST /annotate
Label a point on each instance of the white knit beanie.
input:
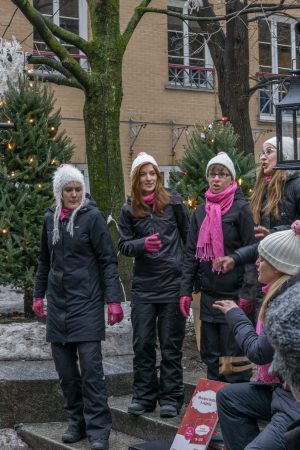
(223, 159)
(65, 174)
(288, 146)
(141, 159)
(282, 249)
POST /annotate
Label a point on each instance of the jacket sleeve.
(41, 279)
(129, 245)
(182, 219)
(256, 347)
(190, 264)
(105, 253)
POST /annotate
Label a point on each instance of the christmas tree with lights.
(29, 154)
(205, 142)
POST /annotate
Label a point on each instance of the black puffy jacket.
(238, 230)
(289, 211)
(75, 273)
(156, 276)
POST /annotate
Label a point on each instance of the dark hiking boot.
(137, 409)
(69, 436)
(168, 411)
(99, 444)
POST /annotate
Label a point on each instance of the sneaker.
(137, 409)
(168, 411)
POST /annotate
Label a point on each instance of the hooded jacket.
(74, 274)
(238, 230)
(156, 276)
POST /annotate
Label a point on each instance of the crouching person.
(77, 265)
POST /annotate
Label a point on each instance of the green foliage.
(29, 154)
(205, 142)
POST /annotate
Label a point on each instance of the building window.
(189, 60)
(278, 48)
(165, 173)
(68, 14)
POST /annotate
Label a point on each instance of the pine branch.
(37, 20)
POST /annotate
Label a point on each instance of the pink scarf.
(268, 178)
(149, 199)
(64, 212)
(210, 244)
(262, 372)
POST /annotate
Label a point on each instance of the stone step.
(47, 436)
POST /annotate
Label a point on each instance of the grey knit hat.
(283, 326)
(282, 249)
(223, 159)
(65, 174)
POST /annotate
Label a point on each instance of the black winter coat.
(289, 211)
(259, 350)
(156, 276)
(74, 274)
(238, 230)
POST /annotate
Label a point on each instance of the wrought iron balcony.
(191, 76)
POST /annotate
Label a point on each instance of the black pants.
(239, 408)
(148, 320)
(217, 340)
(85, 397)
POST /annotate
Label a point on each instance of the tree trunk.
(28, 298)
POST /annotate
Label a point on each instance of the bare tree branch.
(134, 21)
(56, 79)
(67, 60)
(49, 62)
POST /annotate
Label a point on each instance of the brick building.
(168, 74)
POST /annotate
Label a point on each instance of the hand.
(152, 243)
(185, 304)
(246, 305)
(261, 232)
(224, 305)
(38, 307)
(224, 263)
(114, 313)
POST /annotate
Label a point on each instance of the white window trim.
(166, 170)
(274, 55)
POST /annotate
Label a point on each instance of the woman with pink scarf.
(218, 227)
(240, 406)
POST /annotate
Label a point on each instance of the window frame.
(274, 93)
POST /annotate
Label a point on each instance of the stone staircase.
(41, 421)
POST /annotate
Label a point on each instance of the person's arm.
(256, 347)
(248, 289)
(128, 244)
(105, 253)
(182, 219)
(41, 278)
(190, 264)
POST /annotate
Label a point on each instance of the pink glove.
(185, 304)
(38, 307)
(114, 313)
(152, 243)
(245, 305)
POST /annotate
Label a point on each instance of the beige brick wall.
(146, 95)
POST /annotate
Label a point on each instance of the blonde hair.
(275, 195)
(162, 197)
(274, 289)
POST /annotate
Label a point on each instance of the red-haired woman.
(153, 225)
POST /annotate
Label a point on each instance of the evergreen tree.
(205, 142)
(30, 152)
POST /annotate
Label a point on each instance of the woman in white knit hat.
(153, 225)
(240, 406)
(275, 202)
(219, 226)
(77, 264)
